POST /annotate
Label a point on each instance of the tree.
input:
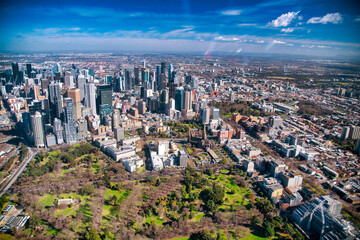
(34, 220)
(91, 234)
(269, 231)
(255, 220)
(203, 235)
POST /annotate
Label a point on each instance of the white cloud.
(231, 12)
(221, 38)
(278, 42)
(328, 18)
(287, 30)
(284, 20)
(357, 19)
(246, 24)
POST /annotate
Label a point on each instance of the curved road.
(16, 173)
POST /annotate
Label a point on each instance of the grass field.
(47, 200)
(121, 195)
(157, 220)
(180, 238)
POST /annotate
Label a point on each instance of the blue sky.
(316, 27)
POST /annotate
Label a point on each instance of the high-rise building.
(354, 132)
(58, 131)
(215, 113)
(275, 121)
(187, 100)
(104, 96)
(128, 82)
(205, 116)
(163, 67)
(69, 80)
(158, 73)
(136, 76)
(75, 95)
(28, 69)
(80, 84)
(145, 78)
(141, 107)
(55, 97)
(119, 134)
(345, 133)
(15, 72)
(115, 119)
(90, 97)
(179, 99)
(163, 81)
(69, 121)
(170, 71)
(38, 130)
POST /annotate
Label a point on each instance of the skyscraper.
(104, 95)
(158, 73)
(69, 121)
(179, 99)
(80, 84)
(90, 97)
(15, 71)
(187, 100)
(145, 78)
(136, 76)
(74, 94)
(38, 130)
(115, 119)
(28, 69)
(55, 100)
(128, 82)
(58, 131)
(170, 71)
(163, 67)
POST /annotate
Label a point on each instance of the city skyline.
(319, 28)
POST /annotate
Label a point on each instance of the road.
(16, 173)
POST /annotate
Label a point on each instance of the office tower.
(136, 76)
(164, 99)
(44, 85)
(115, 119)
(145, 78)
(35, 106)
(188, 79)
(214, 113)
(163, 67)
(275, 121)
(357, 147)
(119, 83)
(55, 97)
(119, 134)
(158, 73)
(187, 100)
(15, 72)
(205, 116)
(128, 82)
(69, 80)
(28, 69)
(163, 81)
(74, 94)
(179, 99)
(170, 71)
(104, 95)
(38, 130)
(152, 81)
(141, 107)
(69, 121)
(90, 97)
(82, 129)
(59, 68)
(171, 105)
(80, 84)
(36, 90)
(58, 131)
(354, 132)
